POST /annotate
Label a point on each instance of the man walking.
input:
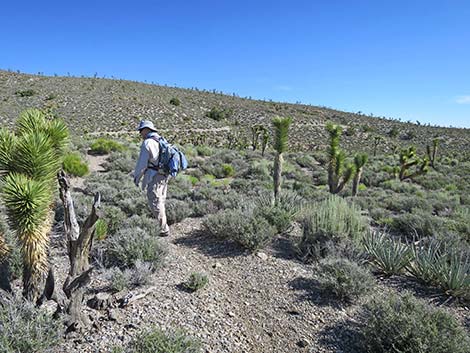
(154, 180)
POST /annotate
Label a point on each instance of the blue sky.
(402, 59)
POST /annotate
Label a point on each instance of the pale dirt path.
(95, 164)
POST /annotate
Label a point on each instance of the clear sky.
(395, 58)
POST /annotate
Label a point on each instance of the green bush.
(177, 210)
(25, 93)
(175, 101)
(344, 279)
(101, 229)
(328, 223)
(402, 323)
(26, 329)
(241, 226)
(219, 114)
(196, 281)
(105, 146)
(155, 340)
(130, 245)
(228, 170)
(129, 278)
(74, 165)
(390, 256)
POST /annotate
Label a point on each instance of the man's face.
(144, 132)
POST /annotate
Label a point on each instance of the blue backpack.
(170, 160)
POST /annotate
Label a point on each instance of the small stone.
(231, 314)
(217, 265)
(262, 255)
(303, 342)
(113, 315)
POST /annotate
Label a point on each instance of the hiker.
(155, 180)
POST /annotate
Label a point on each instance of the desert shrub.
(196, 281)
(123, 161)
(204, 150)
(154, 340)
(241, 226)
(26, 329)
(114, 217)
(105, 146)
(259, 169)
(25, 93)
(74, 165)
(282, 214)
(119, 279)
(418, 223)
(130, 245)
(442, 264)
(129, 278)
(328, 223)
(344, 279)
(219, 114)
(390, 256)
(228, 170)
(177, 210)
(101, 229)
(175, 101)
(402, 323)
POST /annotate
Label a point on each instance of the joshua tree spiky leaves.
(408, 159)
(30, 161)
(339, 173)
(281, 131)
(359, 161)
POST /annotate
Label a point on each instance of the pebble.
(262, 255)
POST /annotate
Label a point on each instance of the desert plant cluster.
(376, 229)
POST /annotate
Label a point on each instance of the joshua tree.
(359, 161)
(255, 135)
(264, 141)
(281, 130)
(338, 172)
(30, 160)
(377, 141)
(432, 152)
(408, 159)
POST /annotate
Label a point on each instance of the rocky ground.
(253, 302)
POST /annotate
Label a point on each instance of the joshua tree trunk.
(356, 180)
(35, 264)
(79, 242)
(278, 160)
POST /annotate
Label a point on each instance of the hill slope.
(95, 105)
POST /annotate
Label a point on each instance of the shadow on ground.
(342, 337)
(200, 241)
(309, 289)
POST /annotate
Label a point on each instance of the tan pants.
(156, 195)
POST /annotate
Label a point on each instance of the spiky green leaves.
(281, 131)
(27, 202)
(7, 143)
(360, 160)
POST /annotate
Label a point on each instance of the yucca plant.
(359, 161)
(437, 264)
(409, 159)
(390, 256)
(281, 131)
(339, 172)
(30, 161)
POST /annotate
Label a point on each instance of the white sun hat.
(146, 124)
